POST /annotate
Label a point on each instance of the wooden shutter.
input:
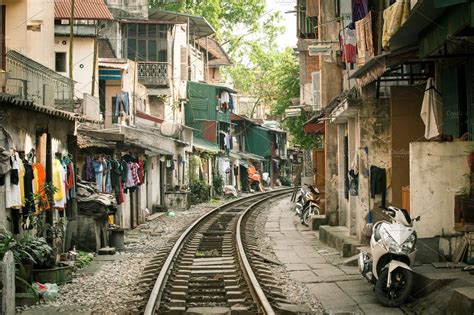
(184, 63)
(316, 90)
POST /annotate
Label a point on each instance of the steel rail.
(157, 292)
(255, 288)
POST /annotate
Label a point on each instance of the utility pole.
(71, 41)
(94, 66)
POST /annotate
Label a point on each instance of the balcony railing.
(152, 73)
(30, 80)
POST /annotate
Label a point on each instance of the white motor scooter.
(393, 252)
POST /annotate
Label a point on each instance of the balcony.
(29, 80)
(151, 73)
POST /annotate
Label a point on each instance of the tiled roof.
(83, 10)
(12, 100)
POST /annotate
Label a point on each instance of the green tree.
(249, 35)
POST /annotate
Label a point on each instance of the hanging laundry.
(141, 171)
(228, 142)
(231, 103)
(224, 100)
(107, 179)
(5, 165)
(122, 103)
(88, 173)
(116, 180)
(359, 9)
(58, 181)
(12, 187)
(28, 202)
(430, 110)
(365, 43)
(348, 44)
(38, 185)
(394, 16)
(98, 171)
(378, 183)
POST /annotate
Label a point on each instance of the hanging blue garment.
(231, 103)
(122, 98)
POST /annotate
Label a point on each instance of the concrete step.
(462, 301)
(339, 238)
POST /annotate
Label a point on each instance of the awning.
(114, 63)
(378, 65)
(199, 26)
(251, 156)
(313, 128)
(346, 109)
(204, 145)
(110, 74)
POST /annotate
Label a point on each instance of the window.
(146, 42)
(60, 62)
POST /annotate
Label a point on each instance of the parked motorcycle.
(310, 202)
(393, 251)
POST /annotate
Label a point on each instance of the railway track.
(214, 267)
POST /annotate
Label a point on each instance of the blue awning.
(110, 74)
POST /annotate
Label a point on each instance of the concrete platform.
(339, 238)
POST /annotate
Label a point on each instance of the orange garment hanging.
(38, 185)
(21, 174)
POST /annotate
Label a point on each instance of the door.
(319, 173)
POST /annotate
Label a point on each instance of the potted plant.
(28, 250)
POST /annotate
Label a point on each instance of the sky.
(287, 38)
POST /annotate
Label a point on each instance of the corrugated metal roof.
(83, 10)
(199, 27)
(219, 55)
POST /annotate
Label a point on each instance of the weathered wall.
(331, 86)
(154, 185)
(83, 63)
(343, 202)
(37, 44)
(22, 125)
(374, 133)
(438, 171)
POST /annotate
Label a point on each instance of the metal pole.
(71, 41)
(133, 96)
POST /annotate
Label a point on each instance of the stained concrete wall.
(374, 133)
(331, 86)
(438, 171)
(30, 29)
(154, 184)
(83, 63)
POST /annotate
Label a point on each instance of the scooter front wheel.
(400, 289)
(309, 211)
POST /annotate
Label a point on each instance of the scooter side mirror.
(417, 218)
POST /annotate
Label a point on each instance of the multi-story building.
(404, 96)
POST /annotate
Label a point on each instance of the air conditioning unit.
(316, 89)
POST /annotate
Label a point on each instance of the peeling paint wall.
(438, 171)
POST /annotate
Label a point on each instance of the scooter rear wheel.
(400, 289)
